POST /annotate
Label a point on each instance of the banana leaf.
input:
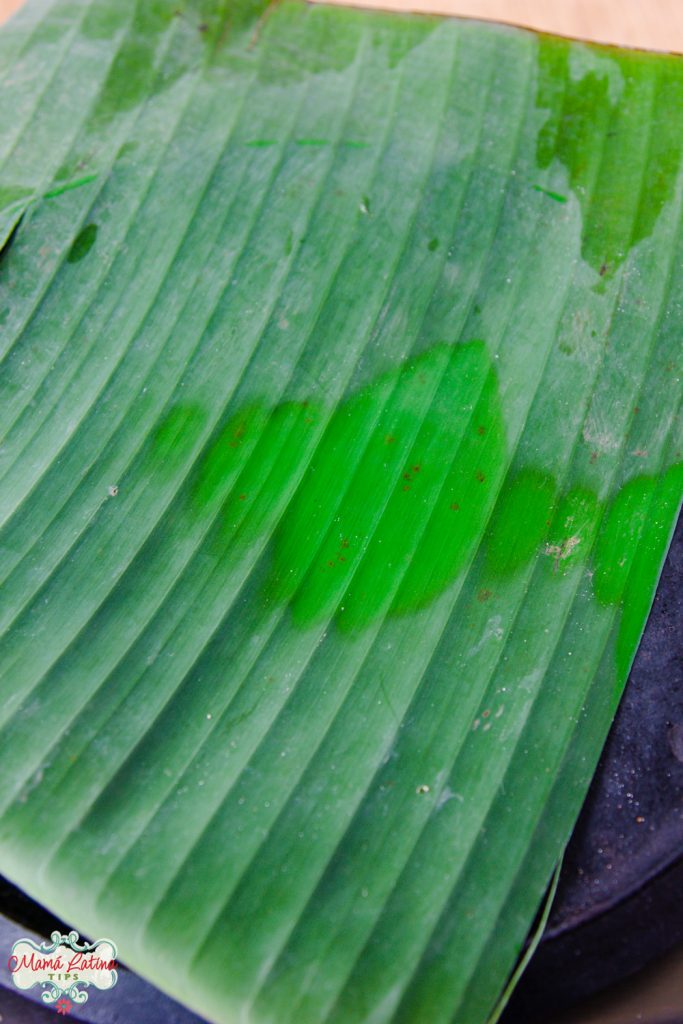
(341, 448)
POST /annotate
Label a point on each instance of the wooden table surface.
(7, 7)
(650, 24)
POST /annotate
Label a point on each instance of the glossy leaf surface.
(340, 451)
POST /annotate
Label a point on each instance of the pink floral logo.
(64, 968)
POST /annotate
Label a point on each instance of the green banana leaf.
(341, 448)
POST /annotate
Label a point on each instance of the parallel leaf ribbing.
(341, 443)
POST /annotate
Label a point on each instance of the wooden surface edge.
(643, 24)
